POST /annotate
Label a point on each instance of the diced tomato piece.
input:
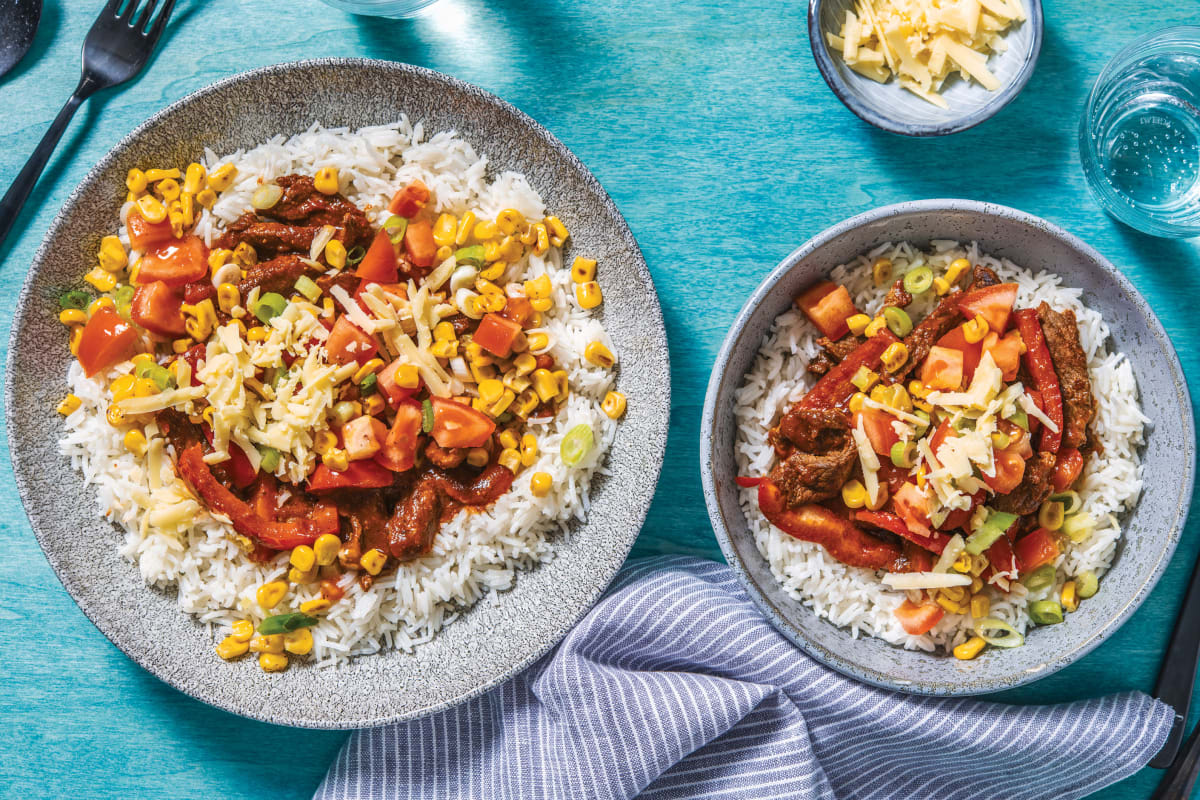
(1006, 352)
(943, 432)
(399, 450)
(1010, 469)
(957, 340)
(392, 391)
(347, 342)
(496, 334)
(1036, 548)
(1066, 469)
(918, 619)
(145, 235)
(409, 200)
(878, 425)
(748, 483)
(379, 265)
(238, 467)
(158, 308)
(519, 310)
(176, 262)
(912, 506)
(828, 306)
(107, 339)
(993, 303)
(419, 244)
(1001, 559)
(363, 436)
(198, 291)
(943, 369)
(357, 475)
(893, 476)
(959, 517)
(458, 425)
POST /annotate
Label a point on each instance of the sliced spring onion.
(343, 411)
(950, 554)
(1000, 440)
(266, 196)
(995, 526)
(863, 378)
(74, 299)
(1040, 578)
(925, 580)
(161, 376)
(369, 385)
(1078, 527)
(576, 444)
(395, 227)
(987, 628)
(918, 281)
(1086, 584)
(904, 454)
(426, 415)
(269, 458)
(1050, 515)
(282, 623)
(924, 415)
(898, 321)
(1070, 500)
(1019, 418)
(269, 306)
(472, 255)
(308, 287)
(123, 295)
(356, 254)
(1046, 612)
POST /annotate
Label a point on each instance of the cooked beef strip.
(445, 458)
(414, 521)
(1033, 489)
(347, 280)
(269, 239)
(817, 454)
(1066, 351)
(277, 275)
(897, 296)
(983, 277)
(302, 204)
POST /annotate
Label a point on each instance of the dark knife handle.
(1178, 673)
(1180, 779)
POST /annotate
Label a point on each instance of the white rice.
(475, 554)
(853, 597)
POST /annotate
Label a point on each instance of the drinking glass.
(381, 8)
(1139, 139)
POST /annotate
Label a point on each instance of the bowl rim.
(24, 306)
(867, 113)
(708, 443)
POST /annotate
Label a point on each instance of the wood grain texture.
(710, 126)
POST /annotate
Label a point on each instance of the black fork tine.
(161, 22)
(142, 20)
(127, 14)
(110, 8)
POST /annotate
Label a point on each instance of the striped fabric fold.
(674, 686)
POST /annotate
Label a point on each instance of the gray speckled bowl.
(887, 106)
(1152, 529)
(490, 642)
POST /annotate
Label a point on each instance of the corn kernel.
(881, 271)
(510, 460)
(168, 189)
(941, 286)
(273, 662)
(589, 295)
(980, 606)
(875, 326)
(529, 449)
(156, 175)
(303, 558)
(962, 563)
(315, 606)
(269, 594)
(337, 459)
(272, 643)
(72, 316)
(325, 549)
(614, 404)
(493, 271)
(540, 484)
(122, 387)
(917, 389)
(508, 439)
(541, 239)
(115, 416)
(484, 230)
(326, 180)
(232, 647)
(444, 230)
(369, 368)
(465, 226)
(583, 270)
(206, 198)
(103, 281)
(69, 405)
(1069, 596)
(301, 575)
(135, 442)
(957, 267)
(895, 356)
(556, 228)
(854, 494)
(969, 649)
(112, 257)
(407, 376)
(538, 288)
(509, 221)
(144, 387)
(975, 329)
(222, 177)
(243, 630)
(244, 255)
(299, 642)
(372, 561)
(478, 457)
(135, 181)
(858, 323)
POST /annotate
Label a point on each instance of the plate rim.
(24, 306)
(708, 444)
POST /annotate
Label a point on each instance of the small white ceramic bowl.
(887, 106)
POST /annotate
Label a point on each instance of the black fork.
(116, 48)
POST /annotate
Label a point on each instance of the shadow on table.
(47, 27)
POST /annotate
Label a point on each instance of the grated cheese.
(869, 461)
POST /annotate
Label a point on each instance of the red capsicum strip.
(835, 387)
(1045, 379)
(890, 522)
(844, 540)
(276, 535)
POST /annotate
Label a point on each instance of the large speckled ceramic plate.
(493, 640)
(1151, 530)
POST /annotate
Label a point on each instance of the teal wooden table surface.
(711, 128)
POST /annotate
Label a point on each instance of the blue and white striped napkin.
(674, 686)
